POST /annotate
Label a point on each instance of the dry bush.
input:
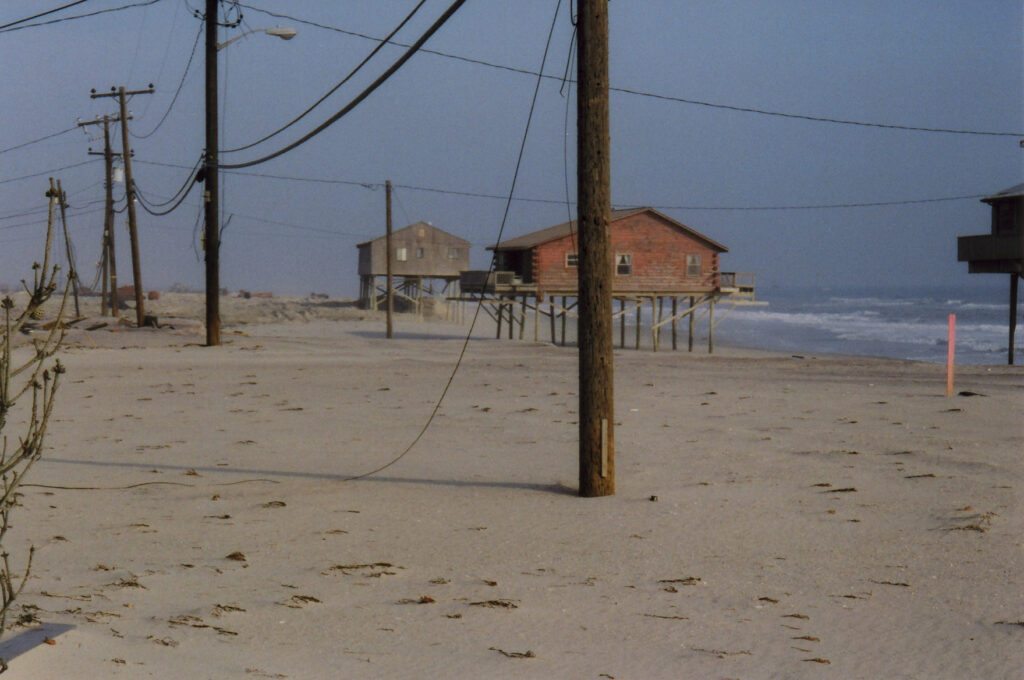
(25, 372)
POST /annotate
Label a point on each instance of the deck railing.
(741, 280)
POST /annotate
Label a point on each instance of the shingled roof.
(536, 238)
(1013, 192)
(417, 225)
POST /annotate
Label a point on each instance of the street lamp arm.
(282, 33)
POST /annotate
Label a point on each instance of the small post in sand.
(390, 295)
(950, 353)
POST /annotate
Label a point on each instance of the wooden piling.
(551, 306)
(622, 323)
(1014, 283)
(675, 318)
(563, 315)
(639, 318)
(711, 326)
(693, 321)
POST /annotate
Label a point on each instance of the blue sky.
(452, 125)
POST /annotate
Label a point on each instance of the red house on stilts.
(656, 259)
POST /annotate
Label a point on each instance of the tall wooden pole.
(105, 260)
(72, 274)
(109, 261)
(387, 245)
(129, 183)
(1014, 279)
(52, 195)
(211, 232)
(108, 222)
(593, 188)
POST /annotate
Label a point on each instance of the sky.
(447, 130)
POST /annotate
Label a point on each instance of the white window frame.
(623, 260)
(401, 254)
(694, 260)
(572, 260)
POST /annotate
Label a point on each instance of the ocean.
(898, 324)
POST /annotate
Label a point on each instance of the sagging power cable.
(490, 269)
(334, 89)
(174, 99)
(7, 28)
(363, 95)
(639, 93)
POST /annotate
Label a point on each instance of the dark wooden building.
(1001, 251)
(421, 255)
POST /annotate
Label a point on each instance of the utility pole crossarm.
(116, 92)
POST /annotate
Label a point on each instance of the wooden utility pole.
(52, 195)
(387, 246)
(72, 273)
(109, 257)
(129, 183)
(133, 234)
(211, 230)
(108, 222)
(593, 188)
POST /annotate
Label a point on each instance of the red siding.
(658, 250)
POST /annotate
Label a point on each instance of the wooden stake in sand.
(950, 353)
(390, 299)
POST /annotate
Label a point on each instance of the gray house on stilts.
(423, 257)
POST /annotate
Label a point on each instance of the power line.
(142, 3)
(34, 211)
(174, 99)
(373, 186)
(334, 89)
(179, 196)
(363, 95)
(816, 119)
(41, 139)
(480, 303)
(43, 14)
(820, 206)
(48, 172)
(640, 93)
(35, 223)
(328, 232)
(42, 211)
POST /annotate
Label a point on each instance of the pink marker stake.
(951, 352)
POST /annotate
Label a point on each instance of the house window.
(401, 254)
(453, 253)
(419, 253)
(572, 259)
(624, 264)
(1004, 216)
(693, 267)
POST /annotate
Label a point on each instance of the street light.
(211, 234)
(277, 32)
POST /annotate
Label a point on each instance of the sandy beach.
(775, 516)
